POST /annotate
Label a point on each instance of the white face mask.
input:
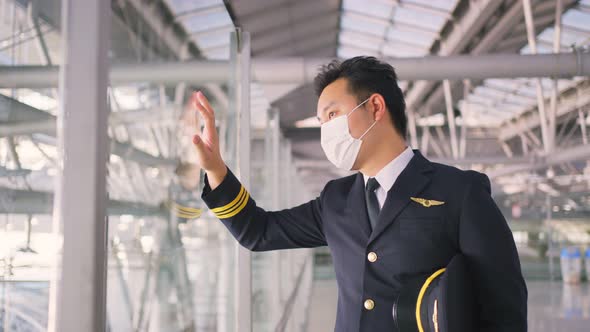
(338, 144)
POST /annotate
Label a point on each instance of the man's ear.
(378, 106)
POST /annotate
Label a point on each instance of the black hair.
(366, 75)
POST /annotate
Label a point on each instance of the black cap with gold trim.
(440, 302)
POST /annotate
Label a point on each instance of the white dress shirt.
(388, 174)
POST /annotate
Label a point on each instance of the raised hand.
(207, 143)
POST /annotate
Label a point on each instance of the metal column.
(555, 90)
(240, 99)
(81, 200)
(275, 282)
(451, 119)
(532, 40)
(412, 128)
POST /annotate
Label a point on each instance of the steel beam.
(488, 43)
(196, 71)
(33, 19)
(17, 118)
(438, 68)
(578, 153)
(303, 70)
(465, 30)
(124, 150)
(495, 37)
(12, 110)
(39, 202)
(467, 161)
(566, 105)
(512, 164)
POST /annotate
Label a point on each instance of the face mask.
(339, 146)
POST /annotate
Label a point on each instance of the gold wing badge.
(426, 202)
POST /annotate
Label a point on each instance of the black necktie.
(372, 202)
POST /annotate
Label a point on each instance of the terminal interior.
(165, 262)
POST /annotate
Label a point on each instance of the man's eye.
(331, 115)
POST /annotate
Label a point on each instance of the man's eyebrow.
(328, 106)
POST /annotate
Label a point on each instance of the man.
(399, 216)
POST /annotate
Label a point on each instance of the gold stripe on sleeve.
(239, 208)
(231, 204)
(244, 194)
(187, 215)
(186, 209)
(237, 205)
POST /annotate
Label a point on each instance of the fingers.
(198, 142)
(207, 143)
(194, 103)
(205, 102)
(207, 114)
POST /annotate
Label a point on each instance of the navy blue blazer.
(432, 212)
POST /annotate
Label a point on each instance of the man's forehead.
(326, 106)
(332, 95)
(323, 107)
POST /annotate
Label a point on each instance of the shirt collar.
(388, 174)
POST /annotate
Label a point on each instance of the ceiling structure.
(491, 125)
(493, 110)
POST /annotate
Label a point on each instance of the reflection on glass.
(170, 262)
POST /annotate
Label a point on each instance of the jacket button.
(372, 257)
(369, 304)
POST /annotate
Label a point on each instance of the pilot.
(399, 218)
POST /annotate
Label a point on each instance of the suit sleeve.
(260, 230)
(487, 242)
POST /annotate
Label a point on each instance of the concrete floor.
(322, 311)
(552, 306)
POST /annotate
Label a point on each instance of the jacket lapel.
(410, 182)
(356, 207)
